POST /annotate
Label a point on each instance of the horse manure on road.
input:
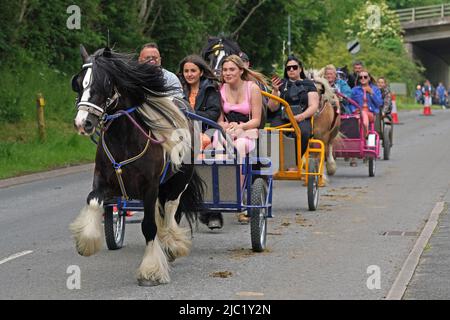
(221, 274)
(242, 253)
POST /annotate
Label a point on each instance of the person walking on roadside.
(441, 95)
(427, 90)
(418, 94)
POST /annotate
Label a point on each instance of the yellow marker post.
(40, 103)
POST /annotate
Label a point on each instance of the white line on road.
(15, 256)
(404, 277)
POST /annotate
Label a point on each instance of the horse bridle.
(216, 50)
(90, 107)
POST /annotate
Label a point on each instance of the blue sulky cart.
(225, 192)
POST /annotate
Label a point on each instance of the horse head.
(342, 73)
(107, 82)
(217, 49)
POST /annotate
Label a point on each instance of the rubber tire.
(112, 241)
(372, 167)
(313, 187)
(387, 142)
(258, 217)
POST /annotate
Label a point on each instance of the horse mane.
(324, 88)
(133, 79)
(145, 86)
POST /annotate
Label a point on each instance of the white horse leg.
(331, 163)
(154, 268)
(87, 228)
(174, 240)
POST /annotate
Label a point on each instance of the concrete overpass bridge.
(427, 38)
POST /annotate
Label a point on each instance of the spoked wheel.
(372, 167)
(114, 228)
(313, 186)
(258, 216)
(387, 142)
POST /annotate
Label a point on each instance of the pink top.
(243, 107)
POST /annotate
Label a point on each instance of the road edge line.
(15, 256)
(9, 182)
(409, 266)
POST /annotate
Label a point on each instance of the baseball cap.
(243, 56)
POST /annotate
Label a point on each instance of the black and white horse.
(137, 146)
(217, 49)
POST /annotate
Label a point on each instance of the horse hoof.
(148, 283)
(215, 224)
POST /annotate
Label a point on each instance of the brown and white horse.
(327, 122)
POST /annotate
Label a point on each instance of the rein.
(118, 165)
(111, 118)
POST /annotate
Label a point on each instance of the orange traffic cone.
(394, 109)
(427, 105)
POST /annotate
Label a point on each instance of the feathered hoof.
(175, 243)
(331, 169)
(148, 283)
(86, 229)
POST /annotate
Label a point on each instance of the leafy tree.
(403, 4)
(375, 22)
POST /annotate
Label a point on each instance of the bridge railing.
(421, 13)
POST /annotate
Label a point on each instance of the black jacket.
(353, 80)
(208, 102)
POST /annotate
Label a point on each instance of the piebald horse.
(145, 138)
(217, 49)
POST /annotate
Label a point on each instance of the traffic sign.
(353, 47)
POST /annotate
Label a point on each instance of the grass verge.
(21, 152)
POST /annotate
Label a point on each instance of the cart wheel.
(391, 135)
(372, 166)
(313, 187)
(386, 142)
(114, 228)
(258, 216)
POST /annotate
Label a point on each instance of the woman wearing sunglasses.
(368, 96)
(300, 93)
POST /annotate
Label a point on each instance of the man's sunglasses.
(291, 67)
(364, 77)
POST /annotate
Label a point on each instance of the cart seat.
(350, 126)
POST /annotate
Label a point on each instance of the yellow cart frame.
(315, 147)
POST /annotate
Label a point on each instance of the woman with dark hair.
(200, 87)
(368, 96)
(300, 93)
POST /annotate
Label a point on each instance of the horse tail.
(191, 200)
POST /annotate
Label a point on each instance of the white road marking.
(404, 277)
(15, 256)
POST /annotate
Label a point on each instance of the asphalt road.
(312, 255)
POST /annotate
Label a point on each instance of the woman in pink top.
(242, 103)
